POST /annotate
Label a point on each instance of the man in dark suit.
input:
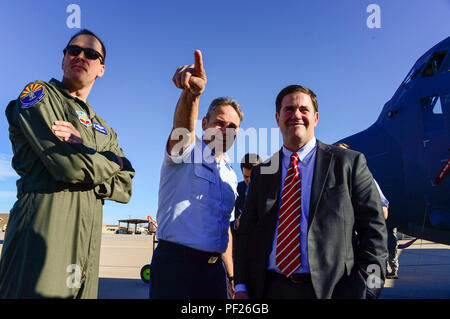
(296, 235)
(249, 161)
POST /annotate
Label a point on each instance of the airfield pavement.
(424, 271)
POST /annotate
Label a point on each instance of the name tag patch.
(100, 128)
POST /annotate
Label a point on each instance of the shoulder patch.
(32, 94)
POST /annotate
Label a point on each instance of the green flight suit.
(52, 244)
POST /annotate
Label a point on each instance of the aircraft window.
(412, 75)
(433, 119)
(446, 64)
(434, 64)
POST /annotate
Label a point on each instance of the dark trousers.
(180, 272)
(280, 287)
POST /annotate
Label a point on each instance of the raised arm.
(192, 80)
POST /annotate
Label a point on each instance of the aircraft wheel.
(145, 273)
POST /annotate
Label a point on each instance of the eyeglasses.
(91, 54)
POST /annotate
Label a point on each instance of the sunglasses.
(91, 54)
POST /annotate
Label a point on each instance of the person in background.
(249, 161)
(393, 253)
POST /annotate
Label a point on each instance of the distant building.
(109, 229)
(3, 221)
(114, 229)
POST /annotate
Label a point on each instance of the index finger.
(198, 67)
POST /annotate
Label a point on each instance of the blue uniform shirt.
(196, 199)
(384, 201)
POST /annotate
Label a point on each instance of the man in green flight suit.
(69, 162)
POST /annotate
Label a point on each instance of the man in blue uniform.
(197, 192)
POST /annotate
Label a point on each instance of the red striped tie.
(288, 238)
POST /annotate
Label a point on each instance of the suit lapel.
(321, 169)
(272, 186)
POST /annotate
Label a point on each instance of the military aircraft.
(407, 148)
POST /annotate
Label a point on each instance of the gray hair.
(222, 101)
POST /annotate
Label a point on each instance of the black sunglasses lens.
(74, 50)
(91, 54)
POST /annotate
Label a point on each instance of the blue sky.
(251, 50)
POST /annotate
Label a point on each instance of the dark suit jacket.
(344, 198)
(240, 200)
(238, 209)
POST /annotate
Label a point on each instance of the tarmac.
(424, 271)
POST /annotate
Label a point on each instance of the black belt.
(294, 278)
(209, 257)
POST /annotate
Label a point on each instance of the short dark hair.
(250, 160)
(343, 145)
(296, 88)
(88, 32)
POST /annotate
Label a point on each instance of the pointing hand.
(191, 77)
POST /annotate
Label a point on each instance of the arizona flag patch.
(32, 94)
(84, 118)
